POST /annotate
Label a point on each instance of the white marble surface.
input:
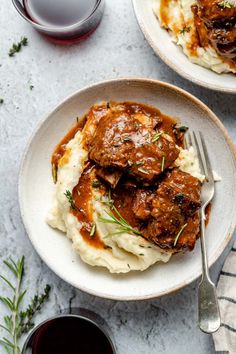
(116, 49)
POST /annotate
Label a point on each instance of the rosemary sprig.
(93, 229)
(18, 321)
(185, 29)
(143, 170)
(69, 196)
(225, 4)
(123, 225)
(54, 173)
(16, 47)
(156, 137)
(179, 233)
(1, 100)
(163, 163)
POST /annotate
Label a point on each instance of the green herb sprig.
(225, 4)
(69, 196)
(163, 163)
(93, 230)
(16, 47)
(185, 29)
(179, 233)
(115, 217)
(18, 321)
(156, 137)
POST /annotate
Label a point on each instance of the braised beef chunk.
(122, 142)
(186, 240)
(142, 204)
(174, 206)
(109, 175)
(182, 189)
(215, 22)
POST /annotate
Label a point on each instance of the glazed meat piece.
(148, 116)
(173, 210)
(215, 10)
(182, 189)
(109, 175)
(143, 204)
(122, 142)
(215, 22)
(186, 240)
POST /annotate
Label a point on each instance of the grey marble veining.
(116, 49)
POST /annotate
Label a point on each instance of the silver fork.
(208, 308)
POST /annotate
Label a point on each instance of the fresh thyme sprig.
(18, 321)
(26, 316)
(16, 47)
(115, 217)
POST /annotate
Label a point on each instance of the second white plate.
(173, 55)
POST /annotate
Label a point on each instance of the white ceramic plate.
(173, 56)
(36, 188)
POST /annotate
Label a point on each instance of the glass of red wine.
(80, 331)
(62, 21)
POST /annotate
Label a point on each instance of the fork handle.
(205, 269)
(208, 308)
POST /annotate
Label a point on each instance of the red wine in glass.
(64, 21)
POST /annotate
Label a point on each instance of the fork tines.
(196, 140)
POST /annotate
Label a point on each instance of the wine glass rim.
(82, 316)
(54, 29)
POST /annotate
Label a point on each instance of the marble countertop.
(116, 49)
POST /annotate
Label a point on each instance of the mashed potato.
(177, 17)
(123, 252)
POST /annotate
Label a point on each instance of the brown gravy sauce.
(61, 147)
(82, 192)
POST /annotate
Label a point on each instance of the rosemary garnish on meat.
(163, 163)
(156, 137)
(16, 47)
(123, 226)
(225, 4)
(96, 183)
(127, 138)
(179, 233)
(140, 169)
(116, 218)
(139, 163)
(18, 321)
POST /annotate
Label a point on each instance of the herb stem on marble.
(18, 321)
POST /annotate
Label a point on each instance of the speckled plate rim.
(134, 80)
(168, 62)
